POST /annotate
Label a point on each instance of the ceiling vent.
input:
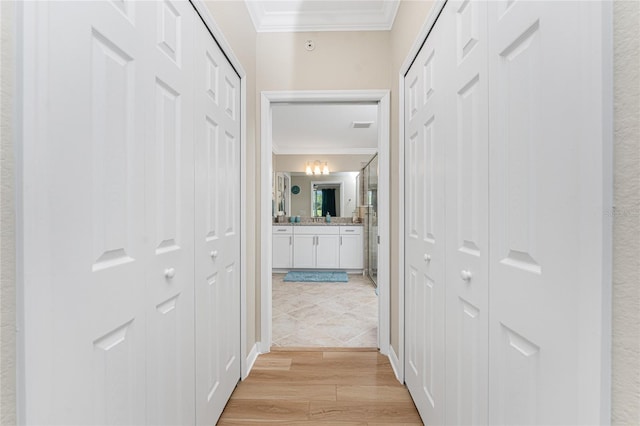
(361, 124)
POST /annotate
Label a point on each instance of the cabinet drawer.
(317, 230)
(283, 229)
(350, 230)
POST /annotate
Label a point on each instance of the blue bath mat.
(317, 276)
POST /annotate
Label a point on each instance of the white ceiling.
(327, 128)
(322, 15)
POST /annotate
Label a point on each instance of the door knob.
(465, 275)
(214, 254)
(427, 258)
(169, 273)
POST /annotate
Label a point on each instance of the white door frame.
(382, 97)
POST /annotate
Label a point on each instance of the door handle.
(170, 273)
(214, 254)
(465, 275)
(427, 258)
(290, 242)
(340, 240)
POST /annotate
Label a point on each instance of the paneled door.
(86, 250)
(169, 215)
(467, 209)
(425, 131)
(112, 106)
(526, 185)
(217, 235)
(548, 153)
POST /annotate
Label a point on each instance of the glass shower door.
(372, 222)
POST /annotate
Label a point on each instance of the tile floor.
(325, 314)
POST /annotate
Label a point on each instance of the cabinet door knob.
(465, 275)
(427, 258)
(214, 254)
(169, 273)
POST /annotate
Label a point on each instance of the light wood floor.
(341, 386)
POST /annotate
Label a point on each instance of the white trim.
(266, 172)
(417, 44)
(251, 359)
(384, 261)
(607, 306)
(382, 97)
(329, 20)
(28, 107)
(396, 364)
(600, 312)
(213, 27)
(324, 151)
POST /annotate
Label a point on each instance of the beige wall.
(233, 19)
(341, 60)
(626, 221)
(409, 21)
(7, 220)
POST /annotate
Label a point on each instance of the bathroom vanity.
(318, 246)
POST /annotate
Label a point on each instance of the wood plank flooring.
(331, 386)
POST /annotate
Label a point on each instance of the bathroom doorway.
(272, 285)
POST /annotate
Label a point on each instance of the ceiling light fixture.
(316, 168)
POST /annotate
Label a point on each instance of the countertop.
(317, 224)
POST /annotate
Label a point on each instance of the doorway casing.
(268, 98)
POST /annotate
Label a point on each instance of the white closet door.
(217, 236)
(426, 122)
(84, 200)
(547, 156)
(169, 215)
(467, 213)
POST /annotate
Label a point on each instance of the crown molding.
(356, 19)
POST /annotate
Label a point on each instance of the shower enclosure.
(370, 177)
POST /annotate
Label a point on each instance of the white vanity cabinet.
(351, 247)
(316, 247)
(282, 247)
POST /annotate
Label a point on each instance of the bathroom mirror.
(317, 194)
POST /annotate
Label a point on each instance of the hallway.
(330, 386)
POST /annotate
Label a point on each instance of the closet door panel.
(425, 128)
(467, 214)
(169, 212)
(546, 212)
(217, 237)
(85, 252)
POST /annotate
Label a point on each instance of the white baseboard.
(251, 359)
(395, 364)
